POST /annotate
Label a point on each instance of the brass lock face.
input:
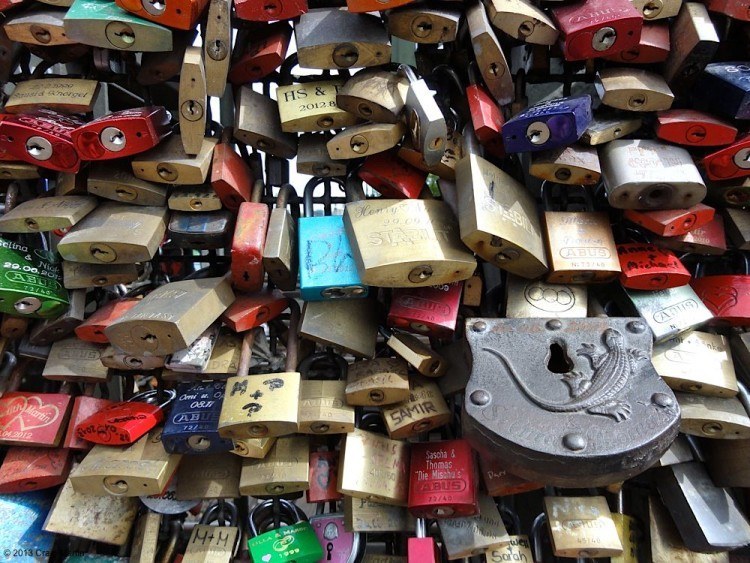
(473, 535)
(66, 95)
(212, 476)
(424, 410)
(713, 417)
(217, 46)
(633, 89)
(374, 95)
(380, 381)
(73, 359)
(363, 515)
(46, 214)
(604, 129)
(192, 101)
(581, 527)
(116, 181)
(536, 298)
(168, 163)
(312, 106)
(286, 469)
(575, 165)
(323, 408)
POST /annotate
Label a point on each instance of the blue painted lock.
(724, 88)
(548, 125)
(192, 426)
(21, 536)
(326, 266)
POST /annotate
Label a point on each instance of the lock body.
(32, 469)
(594, 534)
(116, 181)
(429, 310)
(120, 423)
(71, 359)
(323, 408)
(250, 311)
(270, 11)
(47, 214)
(257, 123)
(247, 246)
(694, 128)
(312, 107)
(42, 138)
(297, 542)
(539, 299)
(391, 176)
(64, 95)
(653, 46)
(283, 471)
(726, 296)
(728, 91)
(573, 165)
(466, 536)
(672, 222)
(33, 419)
(380, 381)
(231, 177)
(729, 162)
(168, 163)
(262, 55)
(202, 231)
(648, 267)
(633, 90)
(182, 15)
(324, 470)
(83, 408)
(424, 410)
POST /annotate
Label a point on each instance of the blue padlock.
(724, 88)
(327, 269)
(192, 426)
(548, 125)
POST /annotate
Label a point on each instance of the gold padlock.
(192, 101)
(65, 95)
(19, 171)
(323, 408)
(311, 106)
(350, 325)
(364, 140)
(257, 123)
(257, 448)
(575, 164)
(313, 158)
(146, 538)
(362, 515)
(194, 198)
(489, 55)
(523, 21)
(418, 354)
(46, 214)
(473, 535)
(41, 26)
(380, 381)
(286, 469)
(211, 476)
(72, 359)
(217, 46)
(606, 128)
(633, 89)
(375, 95)
(713, 417)
(424, 410)
(116, 181)
(424, 24)
(167, 163)
(539, 299)
(581, 527)
(77, 275)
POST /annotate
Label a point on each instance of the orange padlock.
(179, 14)
(252, 310)
(249, 241)
(231, 177)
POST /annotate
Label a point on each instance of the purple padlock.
(548, 125)
(339, 546)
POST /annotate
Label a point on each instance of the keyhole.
(329, 550)
(558, 360)
(150, 338)
(494, 69)
(126, 37)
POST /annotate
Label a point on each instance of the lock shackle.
(370, 421)
(286, 194)
(407, 72)
(566, 194)
(285, 70)
(632, 234)
(11, 197)
(420, 528)
(217, 512)
(337, 361)
(385, 332)
(227, 135)
(695, 449)
(270, 513)
(744, 396)
(469, 142)
(9, 364)
(537, 529)
(307, 196)
(510, 516)
(292, 342)
(454, 98)
(151, 397)
(353, 188)
(257, 194)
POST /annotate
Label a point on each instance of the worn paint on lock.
(263, 54)
(33, 418)
(231, 177)
(499, 482)
(31, 469)
(324, 470)
(46, 214)
(604, 129)
(582, 527)
(250, 311)
(672, 222)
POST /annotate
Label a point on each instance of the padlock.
(283, 471)
(580, 244)
(653, 46)
(390, 176)
(115, 233)
(548, 125)
(517, 547)
(125, 422)
(581, 527)
(418, 354)
(424, 410)
(694, 41)
(249, 241)
(257, 448)
(72, 359)
(192, 100)
(539, 299)
(357, 6)
(497, 216)
(217, 46)
(269, 11)
(424, 118)
(431, 310)
(145, 543)
(167, 163)
(628, 530)
(324, 470)
(574, 165)
(723, 88)
(311, 106)
(313, 158)
(708, 517)
(282, 534)
(725, 293)
(192, 306)
(46, 214)
(116, 181)
(193, 199)
(596, 341)
(265, 52)
(424, 24)
(738, 227)
(141, 468)
(693, 128)
(257, 123)
(327, 265)
(467, 536)
(33, 469)
(736, 9)
(64, 95)
(444, 480)
(375, 95)
(35, 419)
(605, 128)
(708, 239)
(486, 116)
(489, 55)
(633, 89)
(231, 177)
(499, 482)
(47, 331)
(729, 162)
(192, 425)
(92, 329)
(107, 519)
(666, 544)
(219, 543)
(338, 544)
(644, 174)
(122, 133)
(322, 398)
(385, 478)
(725, 462)
(42, 138)
(597, 28)
(41, 26)
(380, 381)
(422, 548)
(672, 222)
(201, 230)
(83, 407)
(158, 67)
(280, 256)
(217, 476)
(350, 325)
(713, 417)
(18, 171)
(732, 193)
(361, 515)
(365, 140)
(250, 311)
(649, 267)
(523, 21)
(101, 23)
(332, 38)
(657, 9)
(24, 515)
(183, 15)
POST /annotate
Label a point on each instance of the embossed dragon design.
(596, 394)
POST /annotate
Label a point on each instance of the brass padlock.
(72, 359)
(192, 101)
(364, 140)
(142, 468)
(633, 89)
(66, 95)
(217, 46)
(216, 476)
(694, 41)
(424, 410)
(575, 164)
(146, 537)
(418, 354)
(171, 317)
(313, 158)
(424, 24)
(115, 233)
(323, 408)
(257, 123)
(47, 331)
(605, 128)
(311, 106)
(46, 214)
(489, 55)
(41, 26)
(380, 381)
(539, 299)
(375, 95)
(195, 198)
(280, 257)
(350, 325)
(473, 535)
(362, 515)
(713, 417)
(284, 470)
(523, 21)
(116, 181)
(214, 544)
(581, 527)
(167, 163)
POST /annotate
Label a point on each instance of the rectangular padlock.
(265, 51)
(92, 329)
(270, 11)
(652, 48)
(83, 407)
(605, 128)
(64, 95)
(431, 310)
(350, 325)
(72, 359)
(424, 24)
(248, 244)
(231, 178)
(633, 89)
(323, 408)
(217, 46)
(250, 311)
(182, 15)
(472, 535)
(380, 381)
(33, 469)
(539, 299)
(576, 165)
(169, 164)
(201, 231)
(708, 239)
(313, 158)
(194, 198)
(672, 222)
(424, 410)
(311, 106)
(694, 41)
(374, 95)
(523, 21)
(650, 267)
(37, 419)
(116, 181)
(729, 162)
(488, 52)
(693, 128)
(284, 470)
(257, 123)
(47, 331)
(46, 214)
(42, 138)
(362, 515)
(40, 26)
(581, 526)
(216, 476)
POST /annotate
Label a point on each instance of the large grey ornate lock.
(568, 402)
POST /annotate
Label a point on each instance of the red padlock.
(653, 46)
(8, 4)
(33, 419)
(252, 310)
(708, 239)
(84, 406)
(123, 423)
(422, 549)
(498, 482)
(693, 128)
(443, 480)
(42, 138)
(122, 133)
(324, 470)
(727, 296)
(597, 28)
(33, 469)
(429, 310)
(248, 243)
(737, 9)
(265, 52)
(231, 177)
(646, 266)
(391, 176)
(730, 162)
(179, 14)
(92, 329)
(672, 222)
(269, 10)
(486, 116)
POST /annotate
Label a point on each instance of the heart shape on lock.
(719, 299)
(29, 413)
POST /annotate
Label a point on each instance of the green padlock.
(31, 282)
(294, 541)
